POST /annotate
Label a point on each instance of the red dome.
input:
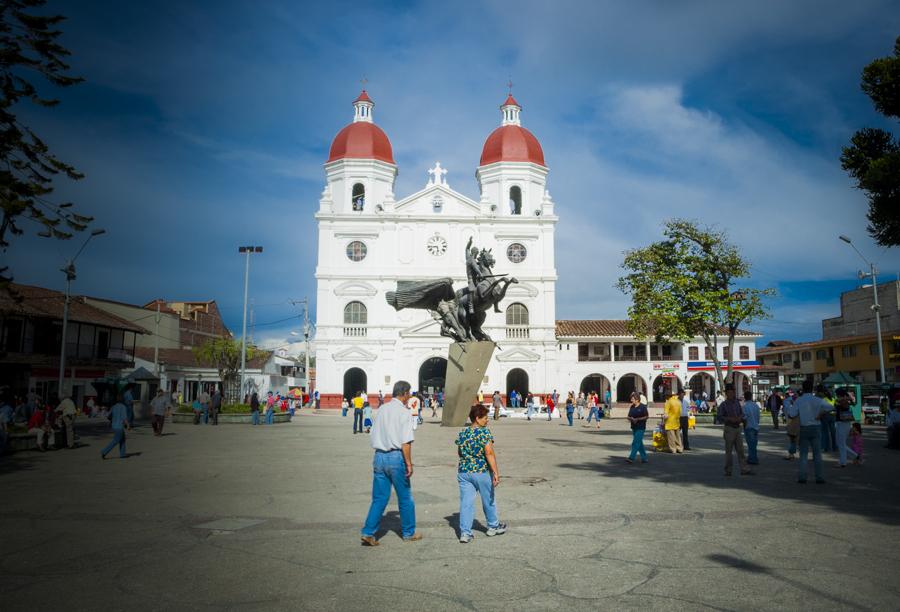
(362, 140)
(512, 143)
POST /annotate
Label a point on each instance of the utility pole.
(247, 250)
(69, 271)
(306, 332)
(875, 305)
(156, 344)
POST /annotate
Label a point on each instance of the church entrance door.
(432, 375)
(354, 382)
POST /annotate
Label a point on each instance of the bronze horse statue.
(461, 313)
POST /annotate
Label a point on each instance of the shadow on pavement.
(869, 490)
(754, 568)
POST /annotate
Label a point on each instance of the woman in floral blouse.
(478, 472)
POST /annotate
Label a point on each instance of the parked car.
(871, 410)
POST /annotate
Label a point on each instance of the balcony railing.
(517, 333)
(355, 331)
(593, 358)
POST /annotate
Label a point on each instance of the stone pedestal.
(466, 365)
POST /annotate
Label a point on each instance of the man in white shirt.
(752, 413)
(392, 437)
(160, 406)
(66, 411)
(810, 407)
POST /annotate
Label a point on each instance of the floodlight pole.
(248, 250)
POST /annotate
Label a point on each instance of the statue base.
(467, 363)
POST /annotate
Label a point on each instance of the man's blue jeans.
(529, 411)
(637, 444)
(810, 437)
(752, 438)
(270, 416)
(595, 413)
(469, 484)
(390, 470)
(255, 417)
(357, 420)
(205, 413)
(118, 438)
(569, 415)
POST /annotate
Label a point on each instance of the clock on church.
(436, 245)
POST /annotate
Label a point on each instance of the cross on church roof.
(437, 175)
(509, 84)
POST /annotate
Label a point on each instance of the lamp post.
(69, 271)
(875, 305)
(247, 250)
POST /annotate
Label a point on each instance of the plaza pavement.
(268, 518)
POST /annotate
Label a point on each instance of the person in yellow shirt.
(358, 402)
(673, 423)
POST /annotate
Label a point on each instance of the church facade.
(369, 239)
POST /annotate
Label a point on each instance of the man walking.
(160, 406)
(774, 404)
(751, 427)
(118, 416)
(730, 413)
(810, 408)
(215, 405)
(203, 398)
(685, 419)
(66, 411)
(497, 405)
(673, 424)
(392, 438)
(128, 400)
(358, 413)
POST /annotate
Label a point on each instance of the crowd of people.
(813, 416)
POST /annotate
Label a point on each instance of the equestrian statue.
(461, 313)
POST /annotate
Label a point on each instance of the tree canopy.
(29, 50)
(873, 157)
(684, 287)
(225, 355)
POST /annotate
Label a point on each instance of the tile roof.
(772, 350)
(41, 303)
(613, 328)
(185, 358)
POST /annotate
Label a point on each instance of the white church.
(369, 239)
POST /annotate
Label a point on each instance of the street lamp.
(69, 271)
(247, 250)
(875, 305)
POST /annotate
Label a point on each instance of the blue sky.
(204, 125)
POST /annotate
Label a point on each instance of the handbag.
(793, 427)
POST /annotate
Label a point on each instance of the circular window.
(516, 252)
(356, 250)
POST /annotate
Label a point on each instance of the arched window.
(515, 200)
(359, 196)
(516, 321)
(355, 319)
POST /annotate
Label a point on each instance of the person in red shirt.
(37, 426)
(550, 406)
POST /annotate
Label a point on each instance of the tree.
(683, 288)
(225, 355)
(873, 157)
(28, 49)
